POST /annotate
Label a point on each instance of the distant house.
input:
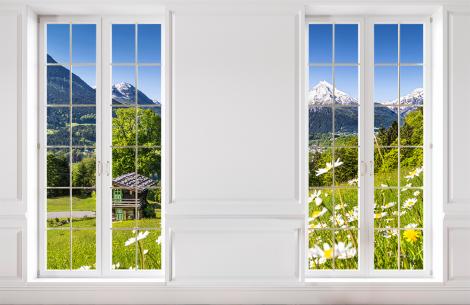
(130, 195)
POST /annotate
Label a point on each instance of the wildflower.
(84, 268)
(146, 251)
(414, 173)
(389, 233)
(321, 255)
(411, 235)
(380, 215)
(317, 214)
(140, 236)
(416, 193)
(389, 205)
(407, 186)
(329, 166)
(409, 203)
(159, 240)
(353, 181)
(316, 197)
(115, 266)
(343, 251)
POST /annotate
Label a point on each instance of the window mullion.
(368, 144)
(106, 150)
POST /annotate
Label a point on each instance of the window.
(101, 147)
(367, 202)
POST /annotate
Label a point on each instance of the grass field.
(333, 221)
(60, 204)
(131, 248)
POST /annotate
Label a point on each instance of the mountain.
(58, 89)
(84, 118)
(407, 102)
(346, 115)
(124, 94)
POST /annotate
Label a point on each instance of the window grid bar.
(336, 64)
(70, 141)
(136, 64)
(78, 64)
(73, 105)
(333, 72)
(399, 149)
(401, 64)
(136, 71)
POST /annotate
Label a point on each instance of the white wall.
(236, 110)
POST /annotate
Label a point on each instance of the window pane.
(411, 167)
(320, 253)
(58, 43)
(346, 126)
(149, 127)
(123, 88)
(58, 167)
(84, 208)
(124, 126)
(149, 43)
(346, 86)
(58, 208)
(320, 79)
(385, 43)
(345, 250)
(346, 43)
(386, 208)
(320, 208)
(386, 249)
(58, 249)
(84, 126)
(320, 43)
(83, 43)
(149, 86)
(412, 127)
(411, 43)
(58, 85)
(320, 166)
(386, 85)
(385, 166)
(411, 249)
(411, 85)
(58, 126)
(125, 204)
(124, 162)
(83, 168)
(345, 166)
(124, 249)
(123, 45)
(83, 85)
(149, 250)
(411, 208)
(84, 249)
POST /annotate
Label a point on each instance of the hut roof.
(134, 181)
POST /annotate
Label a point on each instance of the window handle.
(363, 168)
(98, 168)
(107, 168)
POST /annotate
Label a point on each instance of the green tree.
(141, 127)
(58, 172)
(84, 175)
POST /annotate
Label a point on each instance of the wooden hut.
(130, 195)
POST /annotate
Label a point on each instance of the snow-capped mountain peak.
(124, 93)
(322, 94)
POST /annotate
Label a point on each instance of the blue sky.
(123, 51)
(385, 52)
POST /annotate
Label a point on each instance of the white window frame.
(103, 151)
(366, 146)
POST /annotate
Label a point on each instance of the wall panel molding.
(458, 111)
